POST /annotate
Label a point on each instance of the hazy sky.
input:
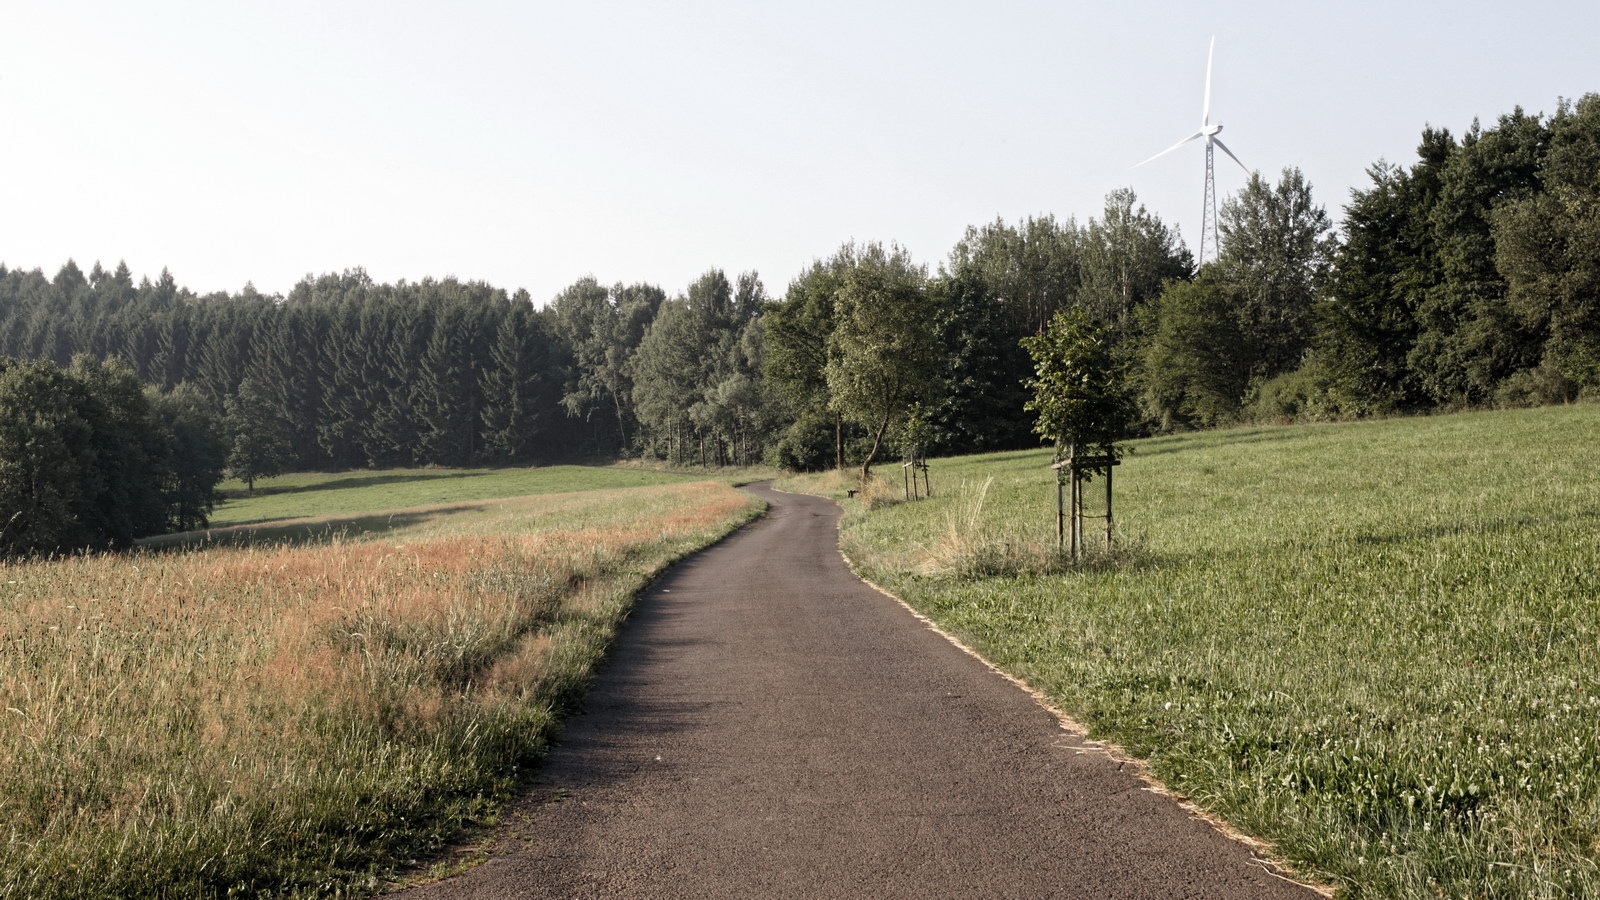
(529, 144)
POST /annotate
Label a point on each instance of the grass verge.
(302, 719)
(1375, 645)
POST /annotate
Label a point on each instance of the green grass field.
(1375, 645)
(303, 712)
(344, 493)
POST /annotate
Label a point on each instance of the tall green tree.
(670, 373)
(516, 384)
(44, 454)
(1194, 363)
(730, 406)
(1080, 395)
(1127, 255)
(1029, 270)
(122, 498)
(585, 322)
(796, 334)
(290, 360)
(1468, 337)
(257, 446)
(393, 432)
(1277, 250)
(348, 369)
(197, 455)
(696, 374)
(88, 460)
(635, 308)
(1547, 247)
(980, 406)
(882, 355)
(1365, 322)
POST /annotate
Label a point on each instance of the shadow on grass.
(1354, 544)
(352, 481)
(992, 559)
(1481, 526)
(1211, 440)
(1185, 441)
(1029, 454)
(301, 532)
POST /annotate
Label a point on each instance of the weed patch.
(970, 548)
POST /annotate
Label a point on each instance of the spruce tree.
(446, 405)
(515, 388)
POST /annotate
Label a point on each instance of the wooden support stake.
(1061, 515)
(1083, 539)
(1074, 513)
(1109, 470)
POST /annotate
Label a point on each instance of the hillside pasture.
(1375, 645)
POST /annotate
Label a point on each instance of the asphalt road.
(770, 726)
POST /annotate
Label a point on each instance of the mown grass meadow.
(299, 718)
(1376, 645)
(343, 493)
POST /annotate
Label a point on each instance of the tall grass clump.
(299, 719)
(972, 548)
(1375, 645)
(873, 492)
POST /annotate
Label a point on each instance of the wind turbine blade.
(1230, 154)
(1174, 147)
(1205, 112)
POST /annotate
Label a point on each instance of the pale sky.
(530, 144)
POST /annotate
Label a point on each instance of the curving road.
(770, 726)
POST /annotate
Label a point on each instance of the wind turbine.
(1208, 213)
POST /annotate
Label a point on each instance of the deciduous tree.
(882, 355)
(1193, 368)
(1080, 397)
(1547, 247)
(1276, 253)
(257, 447)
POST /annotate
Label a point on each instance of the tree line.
(1473, 275)
(90, 458)
(1470, 277)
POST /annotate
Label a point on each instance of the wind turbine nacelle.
(1210, 130)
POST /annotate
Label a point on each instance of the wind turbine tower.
(1208, 214)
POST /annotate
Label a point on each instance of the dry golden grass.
(292, 718)
(875, 492)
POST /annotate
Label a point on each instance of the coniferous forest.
(1468, 277)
